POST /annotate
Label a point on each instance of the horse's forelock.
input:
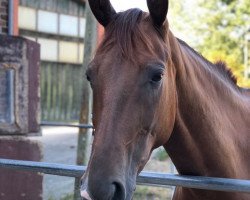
(125, 32)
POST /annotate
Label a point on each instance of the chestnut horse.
(151, 89)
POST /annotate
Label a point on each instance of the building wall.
(59, 27)
(68, 7)
(3, 16)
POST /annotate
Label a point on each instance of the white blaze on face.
(85, 195)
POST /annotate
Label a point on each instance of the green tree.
(215, 28)
(225, 23)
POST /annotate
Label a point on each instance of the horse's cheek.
(165, 120)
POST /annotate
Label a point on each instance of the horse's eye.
(88, 74)
(93, 132)
(157, 77)
(88, 77)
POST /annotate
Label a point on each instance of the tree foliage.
(225, 23)
(216, 28)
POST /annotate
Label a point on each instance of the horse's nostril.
(119, 192)
(105, 191)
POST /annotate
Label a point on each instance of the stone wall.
(3, 16)
(20, 75)
(15, 184)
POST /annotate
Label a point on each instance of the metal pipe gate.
(144, 178)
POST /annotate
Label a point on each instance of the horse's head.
(133, 82)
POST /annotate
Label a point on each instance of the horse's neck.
(210, 113)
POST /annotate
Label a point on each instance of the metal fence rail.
(62, 124)
(145, 178)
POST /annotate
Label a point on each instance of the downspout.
(10, 73)
(11, 17)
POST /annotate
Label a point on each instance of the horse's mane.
(220, 66)
(124, 30)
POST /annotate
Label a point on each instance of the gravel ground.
(59, 146)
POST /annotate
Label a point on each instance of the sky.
(121, 5)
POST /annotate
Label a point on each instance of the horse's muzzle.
(100, 191)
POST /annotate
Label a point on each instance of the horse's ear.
(102, 10)
(158, 10)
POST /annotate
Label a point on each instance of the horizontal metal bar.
(145, 178)
(43, 167)
(86, 126)
(197, 182)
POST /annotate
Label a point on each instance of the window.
(60, 36)
(27, 18)
(47, 22)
